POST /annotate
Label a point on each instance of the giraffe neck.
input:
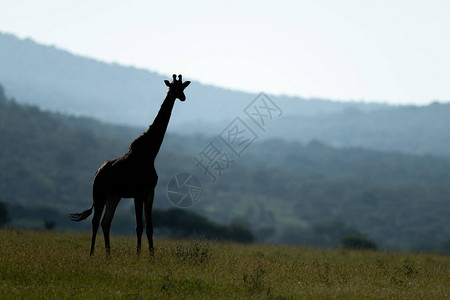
(155, 133)
(161, 121)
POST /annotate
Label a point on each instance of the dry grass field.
(58, 266)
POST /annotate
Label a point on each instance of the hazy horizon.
(384, 51)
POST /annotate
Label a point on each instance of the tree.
(4, 214)
(49, 224)
(2, 94)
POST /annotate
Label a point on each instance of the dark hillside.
(287, 192)
(44, 161)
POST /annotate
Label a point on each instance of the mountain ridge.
(87, 85)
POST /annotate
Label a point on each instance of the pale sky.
(377, 50)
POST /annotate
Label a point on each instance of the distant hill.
(408, 129)
(60, 81)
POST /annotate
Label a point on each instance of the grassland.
(55, 265)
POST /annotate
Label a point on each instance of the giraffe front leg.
(138, 207)
(148, 204)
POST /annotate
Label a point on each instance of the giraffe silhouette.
(132, 175)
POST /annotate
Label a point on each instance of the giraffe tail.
(81, 216)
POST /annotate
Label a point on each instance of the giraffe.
(132, 175)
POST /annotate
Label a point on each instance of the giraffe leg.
(138, 207)
(111, 204)
(148, 204)
(98, 210)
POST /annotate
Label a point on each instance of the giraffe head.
(176, 87)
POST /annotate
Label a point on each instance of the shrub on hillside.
(4, 214)
(358, 242)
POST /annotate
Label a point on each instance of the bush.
(358, 242)
(2, 94)
(4, 214)
(184, 224)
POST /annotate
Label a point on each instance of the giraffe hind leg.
(98, 211)
(111, 204)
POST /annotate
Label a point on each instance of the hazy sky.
(393, 51)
